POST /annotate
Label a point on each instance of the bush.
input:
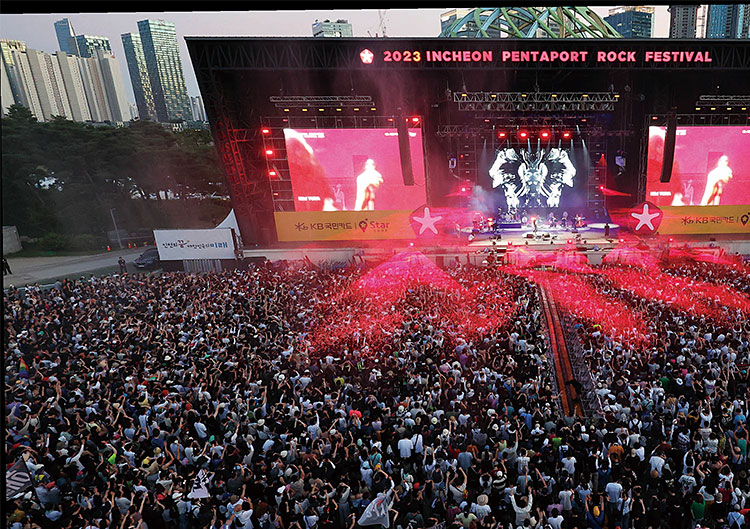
(53, 242)
(85, 241)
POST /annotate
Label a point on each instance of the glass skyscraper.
(144, 97)
(88, 43)
(162, 55)
(66, 37)
(632, 22)
(725, 21)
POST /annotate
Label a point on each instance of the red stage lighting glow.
(570, 241)
(273, 174)
(269, 152)
(415, 120)
(622, 240)
(545, 134)
(463, 189)
(566, 134)
(523, 134)
(266, 131)
(501, 134)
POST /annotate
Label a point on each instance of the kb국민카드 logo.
(367, 56)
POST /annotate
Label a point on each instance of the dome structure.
(559, 22)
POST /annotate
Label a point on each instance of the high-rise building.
(199, 112)
(139, 78)
(725, 21)
(66, 38)
(683, 21)
(71, 75)
(632, 22)
(49, 84)
(162, 55)
(6, 94)
(87, 44)
(93, 86)
(745, 32)
(340, 28)
(119, 108)
(19, 76)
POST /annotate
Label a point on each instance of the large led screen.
(711, 167)
(353, 169)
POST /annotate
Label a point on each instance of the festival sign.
(343, 225)
(705, 219)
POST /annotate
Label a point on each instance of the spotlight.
(286, 110)
(266, 131)
(269, 152)
(390, 119)
(356, 110)
(373, 108)
(570, 241)
(622, 240)
(321, 109)
(304, 110)
(415, 120)
(463, 190)
(272, 173)
(338, 110)
(523, 134)
(545, 134)
(501, 134)
(566, 135)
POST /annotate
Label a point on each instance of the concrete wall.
(11, 241)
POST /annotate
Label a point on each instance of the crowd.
(292, 398)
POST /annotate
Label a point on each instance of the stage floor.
(545, 237)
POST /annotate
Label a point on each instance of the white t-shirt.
(405, 447)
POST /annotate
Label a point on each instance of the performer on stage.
(716, 180)
(367, 182)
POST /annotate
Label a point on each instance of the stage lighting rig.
(536, 101)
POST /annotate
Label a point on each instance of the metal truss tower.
(562, 22)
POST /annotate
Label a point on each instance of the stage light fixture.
(501, 134)
(356, 110)
(622, 240)
(566, 134)
(286, 110)
(272, 173)
(390, 119)
(415, 120)
(697, 108)
(713, 108)
(570, 241)
(493, 96)
(545, 134)
(338, 110)
(321, 109)
(486, 120)
(584, 120)
(269, 152)
(729, 108)
(304, 110)
(653, 118)
(373, 108)
(523, 134)
(266, 131)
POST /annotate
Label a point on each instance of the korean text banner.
(705, 220)
(343, 225)
(176, 245)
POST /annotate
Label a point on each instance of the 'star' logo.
(367, 56)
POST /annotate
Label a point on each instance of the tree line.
(63, 177)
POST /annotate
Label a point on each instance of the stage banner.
(176, 245)
(343, 225)
(705, 220)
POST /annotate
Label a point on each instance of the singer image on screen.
(367, 182)
(715, 182)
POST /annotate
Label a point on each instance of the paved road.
(30, 270)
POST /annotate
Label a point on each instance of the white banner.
(176, 245)
(200, 485)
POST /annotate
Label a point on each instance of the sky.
(38, 32)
